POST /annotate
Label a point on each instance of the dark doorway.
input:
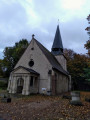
(20, 83)
(31, 81)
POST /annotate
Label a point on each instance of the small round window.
(31, 63)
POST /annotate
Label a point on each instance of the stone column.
(24, 86)
(11, 85)
(28, 85)
(14, 88)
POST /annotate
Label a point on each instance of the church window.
(50, 72)
(32, 48)
(31, 63)
(31, 81)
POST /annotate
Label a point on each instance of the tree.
(77, 65)
(12, 55)
(87, 45)
(69, 54)
(87, 72)
(1, 70)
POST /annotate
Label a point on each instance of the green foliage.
(87, 73)
(87, 45)
(1, 71)
(3, 84)
(78, 66)
(12, 55)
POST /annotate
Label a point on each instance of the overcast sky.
(22, 18)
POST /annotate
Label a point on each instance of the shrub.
(3, 84)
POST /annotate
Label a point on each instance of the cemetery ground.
(41, 107)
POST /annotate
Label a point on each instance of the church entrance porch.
(24, 84)
(27, 84)
(23, 80)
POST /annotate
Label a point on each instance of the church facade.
(41, 71)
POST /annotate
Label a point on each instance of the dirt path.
(44, 108)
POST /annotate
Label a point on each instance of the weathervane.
(58, 21)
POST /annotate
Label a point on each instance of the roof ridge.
(53, 61)
(48, 51)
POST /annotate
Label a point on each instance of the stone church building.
(41, 71)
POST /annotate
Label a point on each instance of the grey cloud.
(14, 19)
(12, 12)
(48, 10)
(73, 34)
(1, 55)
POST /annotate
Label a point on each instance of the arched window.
(20, 82)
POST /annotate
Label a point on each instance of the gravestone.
(75, 98)
(6, 99)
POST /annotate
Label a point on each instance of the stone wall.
(62, 60)
(60, 83)
(41, 64)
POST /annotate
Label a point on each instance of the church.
(41, 71)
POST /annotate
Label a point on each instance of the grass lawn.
(42, 107)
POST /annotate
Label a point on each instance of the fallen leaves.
(45, 107)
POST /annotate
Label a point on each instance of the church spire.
(57, 47)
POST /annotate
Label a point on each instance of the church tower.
(57, 49)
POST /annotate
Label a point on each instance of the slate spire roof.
(57, 47)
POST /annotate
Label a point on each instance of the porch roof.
(27, 69)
